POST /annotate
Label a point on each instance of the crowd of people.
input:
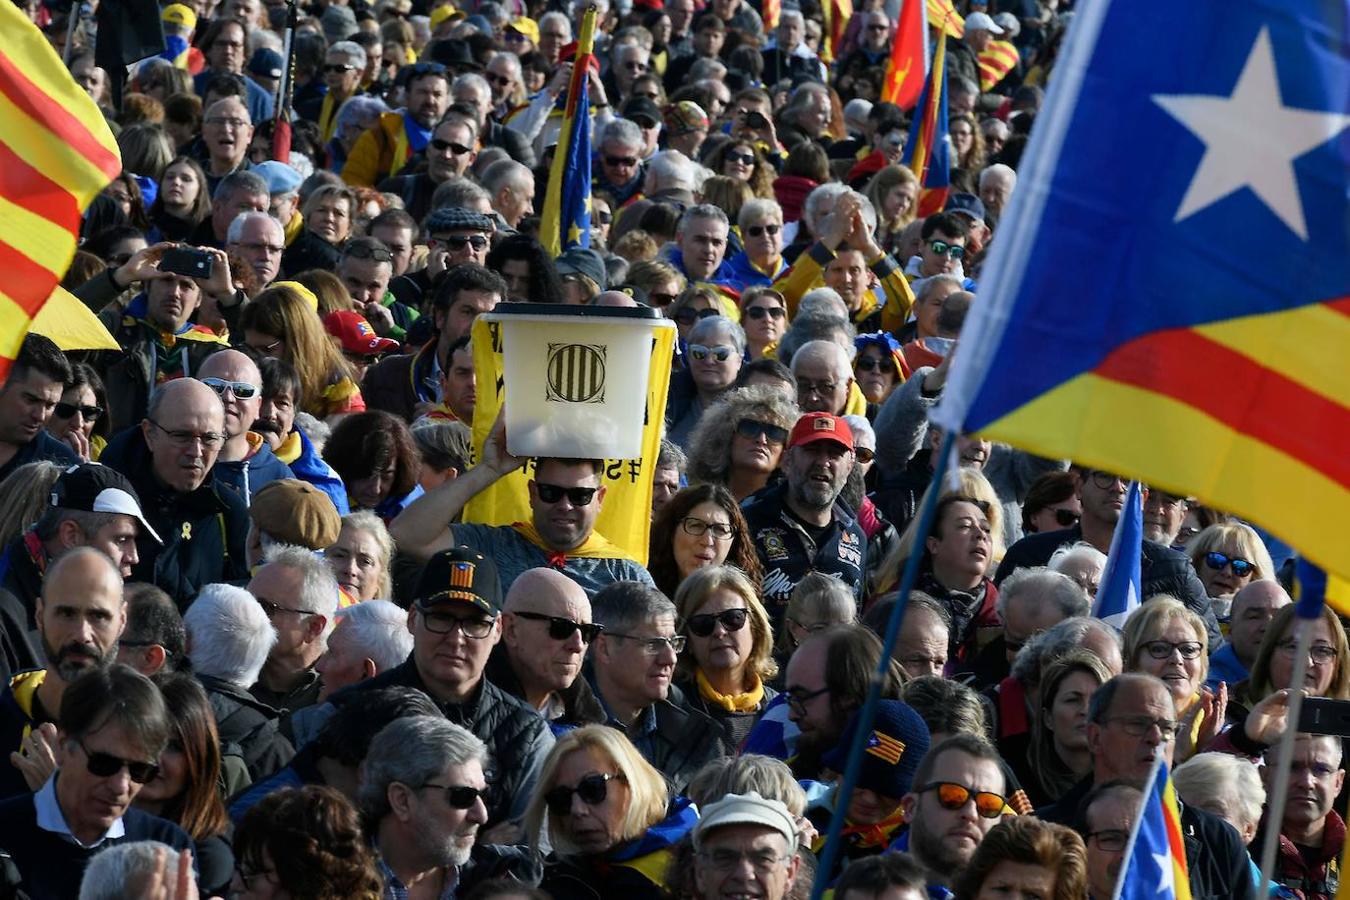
(251, 647)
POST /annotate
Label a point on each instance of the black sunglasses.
(553, 493)
(759, 230)
(560, 629)
(339, 67)
(616, 161)
(689, 316)
(67, 410)
(704, 624)
(105, 765)
(592, 790)
(442, 146)
(765, 312)
(1066, 518)
(745, 158)
(459, 796)
(753, 430)
(875, 364)
(460, 241)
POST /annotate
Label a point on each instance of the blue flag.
(1154, 867)
(1118, 593)
(566, 219)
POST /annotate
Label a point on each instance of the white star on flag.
(1166, 884)
(1251, 139)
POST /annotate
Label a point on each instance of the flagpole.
(1303, 635)
(1135, 829)
(868, 713)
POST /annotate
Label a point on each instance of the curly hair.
(1031, 842)
(710, 444)
(311, 839)
(364, 442)
(661, 559)
(761, 179)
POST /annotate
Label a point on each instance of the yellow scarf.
(288, 451)
(595, 546)
(746, 702)
(327, 119)
(291, 230)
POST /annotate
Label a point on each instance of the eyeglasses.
(105, 765)
(864, 454)
(819, 388)
(365, 251)
(755, 231)
(625, 162)
(654, 645)
(476, 628)
(1138, 726)
(459, 796)
(955, 796)
(1220, 561)
(561, 629)
(696, 527)
(67, 410)
(209, 440)
(339, 68)
(553, 493)
(765, 312)
(1104, 481)
(271, 609)
(242, 389)
(460, 241)
(798, 698)
(746, 158)
(942, 248)
(875, 364)
(1163, 649)
(753, 430)
(689, 316)
(1111, 840)
(722, 352)
(442, 146)
(1321, 653)
(1066, 518)
(704, 624)
(257, 247)
(499, 80)
(727, 860)
(593, 789)
(228, 122)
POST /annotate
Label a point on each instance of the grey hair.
(413, 751)
(829, 193)
(671, 456)
(318, 586)
(623, 132)
(1222, 776)
(860, 426)
(352, 50)
(828, 350)
(923, 286)
(473, 80)
(458, 191)
(960, 84)
(379, 631)
(243, 180)
(558, 18)
(624, 604)
(827, 596)
(1000, 169)
(106, 876)
(361, 106)
(622, 50)
(504, 173)
(809, 327)
(703, 211)
(717, 325)
(1053, 643)
(236, 230)
(1048, 586)
(824, 301)
(512, 62)
(757, 209)
(792, 14)
(1067, 554)
(229, 635)
(670, 169)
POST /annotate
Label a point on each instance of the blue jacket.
(310, 466)
(1225, 666)
(742, 274)
(247, 476)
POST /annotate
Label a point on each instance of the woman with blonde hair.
(283, 322)
(1227, 557)
(894, 193)
(329, 213)
(662, 281)
(729, 660)
(361, 558)
(1165, 639)
(332, 293)
(607, 814)
(819, 601)
(741, 439)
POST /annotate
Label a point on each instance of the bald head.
(184, 430)
(542, 662)
(82, 569)
(1253, 608)
(224, 372)
(613, 298)
(81, 613)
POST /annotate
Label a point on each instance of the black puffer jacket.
(517, 737)
(249, 724)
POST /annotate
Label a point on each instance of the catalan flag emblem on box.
(883, 746)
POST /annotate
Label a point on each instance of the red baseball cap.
(355, 333)
(820, 426)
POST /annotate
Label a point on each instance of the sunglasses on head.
(460, 241)
(765, 312)
(242, 389)
(560, 629)
(760, 230)
(721, 352)
(442, 146)
(459, 796)
(875, 364)
(593, 789)
(942, 248)
(689, 316)
(67, 410)
(753, 430)
(1219, 561)
(553, 493)
(955, 796)
(364, 251)
(105, 765)
(704, 624)
(617, 161)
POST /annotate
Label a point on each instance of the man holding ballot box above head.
(565, 498)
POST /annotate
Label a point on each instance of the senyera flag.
(56, 154)
(566, 219)
(908, 62)
(927, 151)
(1168, 295)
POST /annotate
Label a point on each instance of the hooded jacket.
(247, 476)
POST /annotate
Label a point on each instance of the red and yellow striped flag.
(996, 62)
(837, 13)
(56, 155)
(770, 13)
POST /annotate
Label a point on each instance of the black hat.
(90, 487)
(460, 575)
(642, 107)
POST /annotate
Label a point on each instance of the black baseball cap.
(90, 487)
(460, 575)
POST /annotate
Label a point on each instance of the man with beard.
(246, 461)
(27, 399)
(387, 145)
(799, 526)
(276, 424)
(546, 631)
(80, 616)
(958, 797)
(423, 793)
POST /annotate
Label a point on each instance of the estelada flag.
(625, 516)
(1154, 866)
(928, 151)
(56, 154)
(909, 56)
(566, 219)
(1168, 295)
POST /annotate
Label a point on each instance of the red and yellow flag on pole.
(837, 13)
(56, 154)
(906, 68)
(997, 60)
